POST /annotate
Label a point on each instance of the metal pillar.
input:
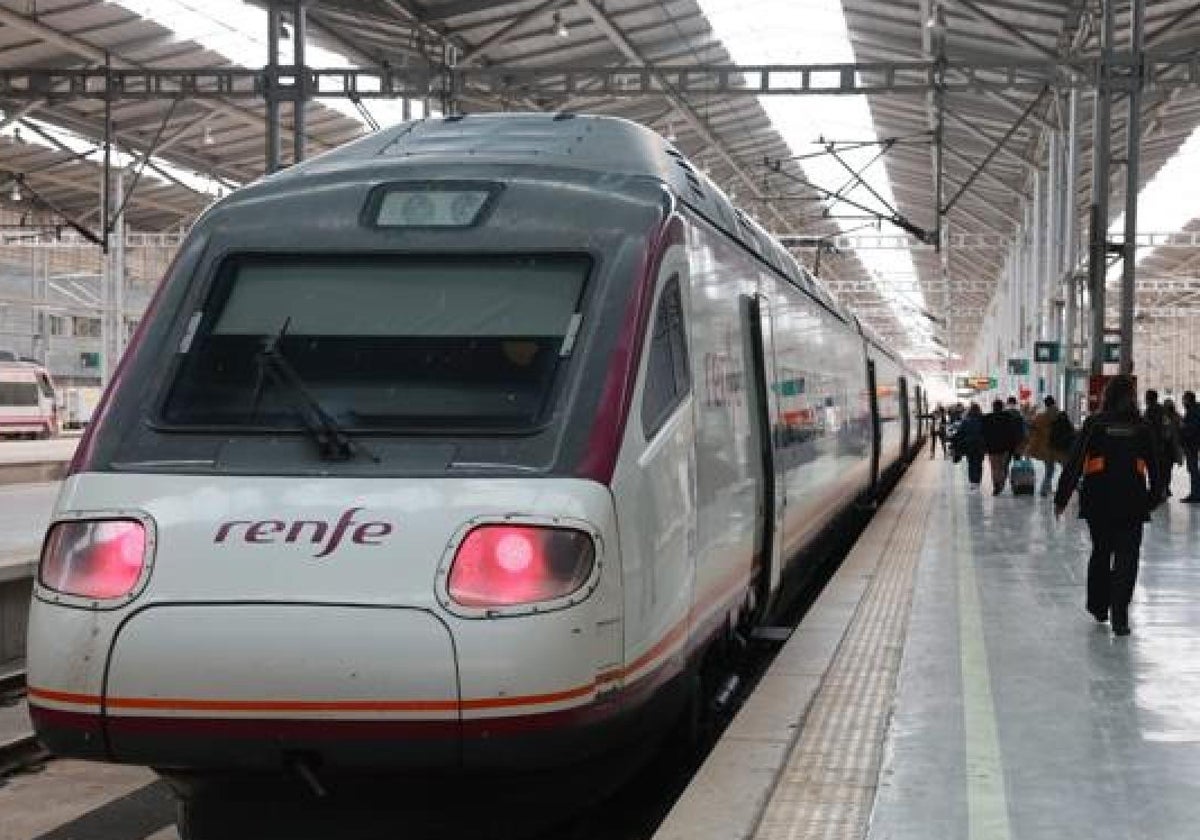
(112, 281)
(1070, 254)
(1101, 149)
(271, 86)
(1133, 136)
(39, 282)
(300, 100)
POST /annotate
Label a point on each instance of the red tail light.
(506, 565)
(99, 559)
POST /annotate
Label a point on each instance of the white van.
(28, 405)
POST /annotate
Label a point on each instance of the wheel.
(192, 822)
(206, 818)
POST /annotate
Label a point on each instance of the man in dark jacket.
(1121, 483)
(1161, 431)
(1189, 435)
(1001, 438)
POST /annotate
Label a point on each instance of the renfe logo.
(270, 531)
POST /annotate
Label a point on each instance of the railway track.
(21, 750)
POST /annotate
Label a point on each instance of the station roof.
(730, 136)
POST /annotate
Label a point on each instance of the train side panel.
(653, 488)
(823, 442)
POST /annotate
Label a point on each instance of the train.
(28, 400)
(455, 450)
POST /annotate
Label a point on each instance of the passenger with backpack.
(1047, 441)
(1115, 465)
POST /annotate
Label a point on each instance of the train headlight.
(430, 204)
(509, 565)
(99, 558)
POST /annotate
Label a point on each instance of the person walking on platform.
(968, 442)
(1163, 433)
(1001, 439)
(1020, 425)
(1176, 454)
(1114, 456)
(937, 430)
(1189, 435)
(1044, 445)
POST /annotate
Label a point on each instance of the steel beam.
(270, 87)
(982, 166)
(300, 80)
(980, 134)
(129, 82)
(1137, 12)
(15, 86)
(1101, 147)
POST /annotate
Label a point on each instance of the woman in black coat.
(1115, 456)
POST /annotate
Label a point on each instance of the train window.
(667, 377)
(389, 344)
(18, 393)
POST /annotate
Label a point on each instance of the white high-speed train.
(454, 449)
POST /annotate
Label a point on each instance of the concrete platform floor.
(1017, 715)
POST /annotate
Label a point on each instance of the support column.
(300, 101)
(1133, 138)
(271, 87)
(1101, 153)
(112, 280)
(1070, 253)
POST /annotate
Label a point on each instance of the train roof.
(601, 144)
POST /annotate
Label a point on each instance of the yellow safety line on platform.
(828, 785)
(987, 803)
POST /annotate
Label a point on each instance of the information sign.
(1045, 352)
(1018, 367)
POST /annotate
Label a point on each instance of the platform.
(23, 461)
(968, 694)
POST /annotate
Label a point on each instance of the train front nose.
(254, 684)
(362, 627)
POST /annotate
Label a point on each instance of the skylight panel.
(237, 31)
(815, 32)
(1168, 202)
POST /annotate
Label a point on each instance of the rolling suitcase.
(1023, 477)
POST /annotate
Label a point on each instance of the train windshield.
(18, 393)
(385, 343)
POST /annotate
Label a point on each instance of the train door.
(876, 430)
(765, 424)
(921, 412)
(905, 418)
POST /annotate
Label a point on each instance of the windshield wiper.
(333, 443)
